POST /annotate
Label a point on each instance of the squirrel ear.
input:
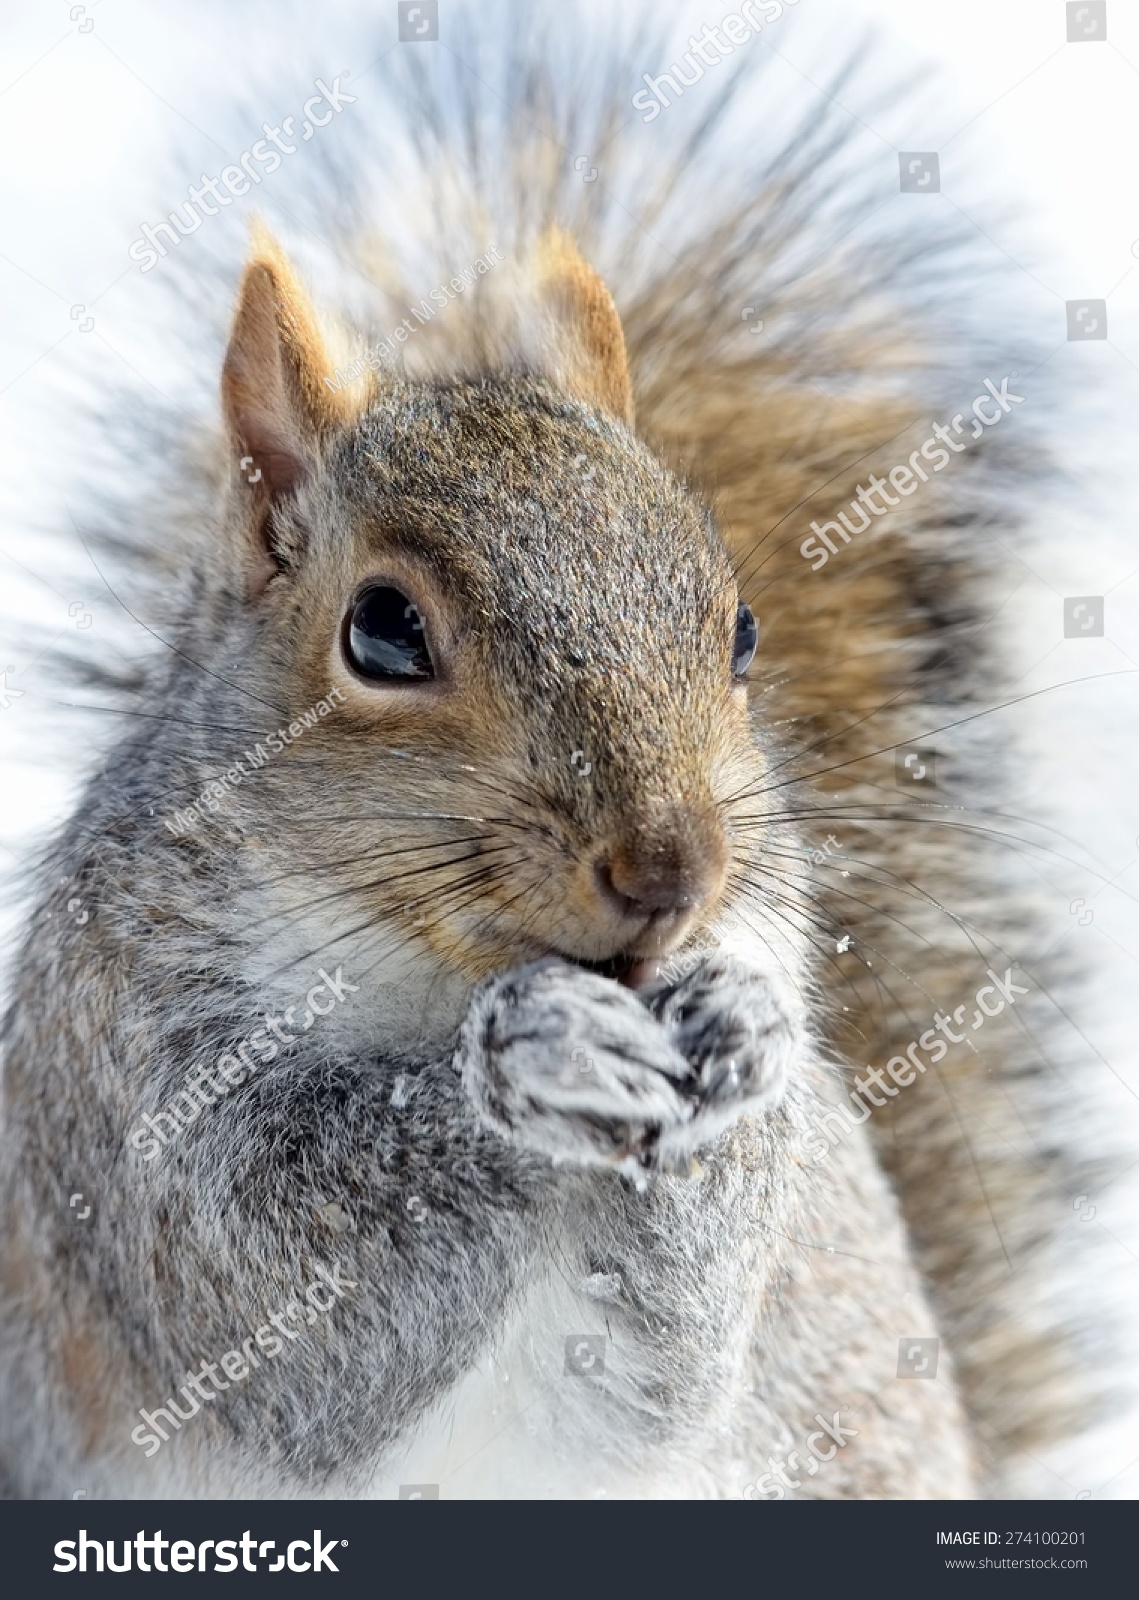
(598, 366)
(277, 406)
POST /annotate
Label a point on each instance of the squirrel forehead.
(516, 477)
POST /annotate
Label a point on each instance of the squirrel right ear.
(598, 365)
(277, 406)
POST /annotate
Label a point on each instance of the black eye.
(746, 642)
(384, 637)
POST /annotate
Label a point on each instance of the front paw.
(562, 1061)
(737, 1033)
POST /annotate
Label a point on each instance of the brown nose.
(664, 876)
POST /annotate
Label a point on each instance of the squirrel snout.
(661, 879)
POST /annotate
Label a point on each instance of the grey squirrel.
(457, 1099)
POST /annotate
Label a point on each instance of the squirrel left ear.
(277, 405)
(598, 368)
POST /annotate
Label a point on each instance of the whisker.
(293, 913)
(945, 727)
(158, 716)
(819, 950)
(323, 867)
(869, 815)
(359, 927)
(248, 693)
(880, 911)
(880, 954)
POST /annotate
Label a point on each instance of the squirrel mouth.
(633, 972)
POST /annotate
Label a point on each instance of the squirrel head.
(542, 724)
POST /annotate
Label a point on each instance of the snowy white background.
(1035, 131)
